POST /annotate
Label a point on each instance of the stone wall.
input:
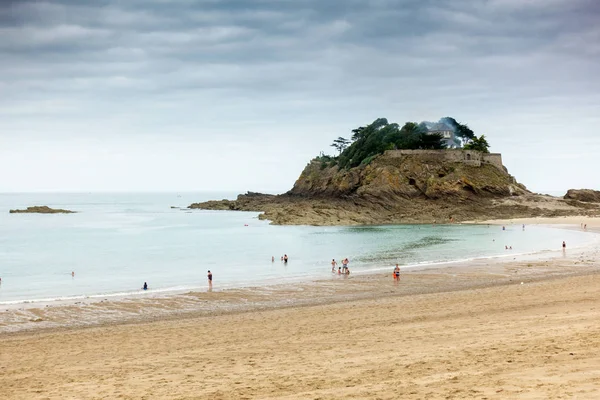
(469, 157)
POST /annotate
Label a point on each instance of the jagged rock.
(41, 210)
(586, 195)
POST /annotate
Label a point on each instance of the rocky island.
(409, 175)
(41, 210)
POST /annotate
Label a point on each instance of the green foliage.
(340, 144)
(369, 141)
(374, 139)
(324, 158)
(478, 143)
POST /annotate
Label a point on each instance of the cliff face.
(403, 186)
(409, 175)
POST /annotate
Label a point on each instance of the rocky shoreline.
(288, 209)
(42, 210)
(416, 187)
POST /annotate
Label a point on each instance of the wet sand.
(460, 331)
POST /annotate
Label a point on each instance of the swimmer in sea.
(339, 270)
(209, 278)
(145, 286)
(333, 264)
(564, 245)
(285, 258)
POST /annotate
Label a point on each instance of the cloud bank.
(236, 95)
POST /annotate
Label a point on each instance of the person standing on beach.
(397, 273)
(209, 278)
(333, 265)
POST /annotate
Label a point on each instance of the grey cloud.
(144, 65)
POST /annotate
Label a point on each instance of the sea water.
(116, 242)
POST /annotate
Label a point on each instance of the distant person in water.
(564, 245)
(73, 273)
(503, 228)
(333, 265)
(285, 258)
(145, 286)
(209, 278)
(339, 270)
(272, 258)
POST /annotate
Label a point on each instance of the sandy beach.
(522, 328)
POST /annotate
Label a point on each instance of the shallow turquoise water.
(119, 241)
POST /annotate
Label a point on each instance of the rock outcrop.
(585, 195)
(41, 210)
(402, 187)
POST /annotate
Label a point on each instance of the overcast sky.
(238, 95)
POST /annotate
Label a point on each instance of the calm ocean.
(119, 241)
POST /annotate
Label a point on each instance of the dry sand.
(455, 332)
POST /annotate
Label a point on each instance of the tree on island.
(371, 140)
(478, 143)
(340, 144)
(379, 136)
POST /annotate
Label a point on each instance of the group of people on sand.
(343, 270)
